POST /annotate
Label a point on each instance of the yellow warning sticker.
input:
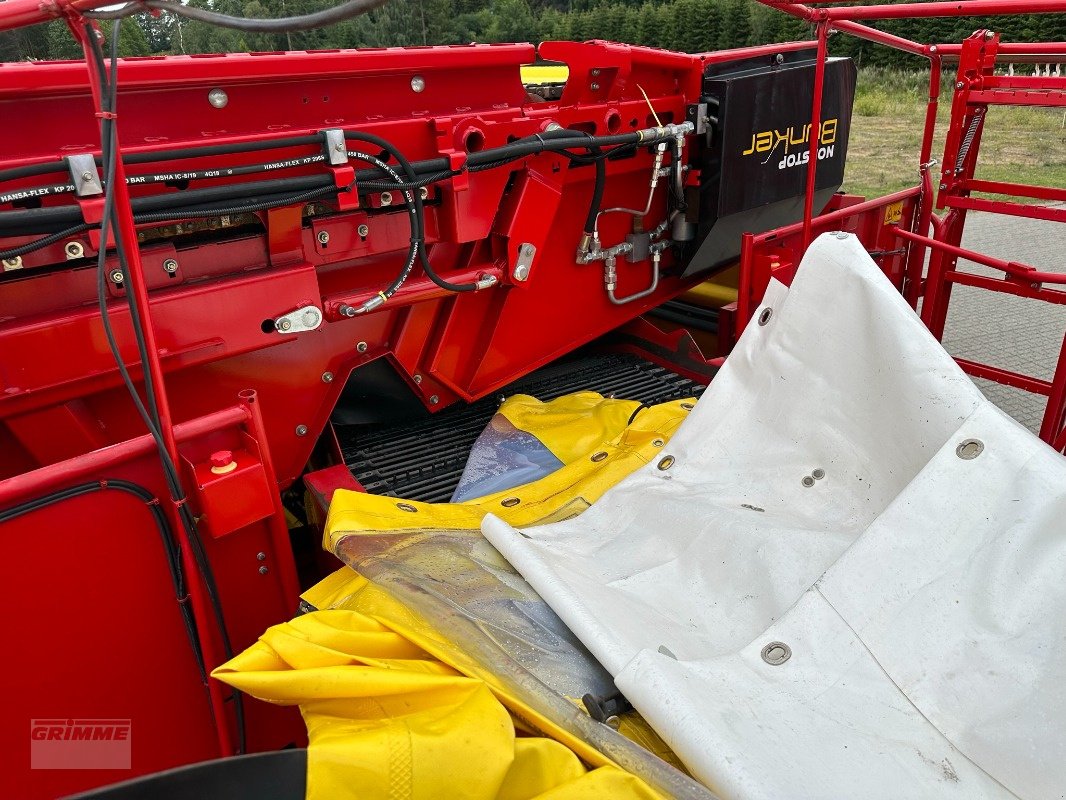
(894, 213)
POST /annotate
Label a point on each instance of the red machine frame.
(68, 400)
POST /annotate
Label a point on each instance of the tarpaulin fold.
(842, 489)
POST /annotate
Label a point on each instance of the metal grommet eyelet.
(687, 406)
(510, 502)
(818, 474)
(807, 481)
(602, 454)
(970, 449)
(776, 653)
(764, 317)
(665, 462)
(407, 507)
(657, 442)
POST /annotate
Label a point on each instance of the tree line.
(685, 25)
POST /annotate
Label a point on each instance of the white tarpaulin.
(825, 494)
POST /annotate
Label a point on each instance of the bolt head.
(116, 276)
(433, 399)
(521, 272)
(323, 237)
(959, 85)
(595, 87)
(361, 347)
(418, 378)
(218, 98)
(170, 265)
(596, 71)
(339, 147)
(86, 176)
(264, 570)
(284, 325)
(418, 84)
(327, 377)
(363, 230)
(301, 430)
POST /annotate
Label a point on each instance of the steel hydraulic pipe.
(49, 478)
(815, 133)
(414, 290)
(1013, 268)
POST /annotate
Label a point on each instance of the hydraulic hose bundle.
(63, 221)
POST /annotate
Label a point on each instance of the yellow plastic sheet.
(394, 709)
(607, 450)
(388, 720)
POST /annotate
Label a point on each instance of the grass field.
(1026, 145)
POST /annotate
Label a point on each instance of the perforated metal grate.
(423, 460)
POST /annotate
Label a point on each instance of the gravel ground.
(1002, 330)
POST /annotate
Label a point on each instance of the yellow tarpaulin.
(386, 719)
(395, 710)
(597, 453)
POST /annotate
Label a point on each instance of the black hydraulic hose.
(392, 150)
(150, 417)
(170, 549)
(31, 170)
(246, 208)
(256, 204)
(41, 219)
(476, 161)
(37, 244)
(178, 154)
(306, 22)
(51, 219)
(416, 241)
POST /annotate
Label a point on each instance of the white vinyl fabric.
(922, 594)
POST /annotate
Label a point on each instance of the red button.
(223, 458)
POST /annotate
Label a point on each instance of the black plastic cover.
(753, 174)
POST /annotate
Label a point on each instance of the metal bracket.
(336, 148)
(305, 318)
(84, 176)
(524, 261)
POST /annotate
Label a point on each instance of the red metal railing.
(976, 88)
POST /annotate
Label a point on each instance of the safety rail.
(976, 88)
